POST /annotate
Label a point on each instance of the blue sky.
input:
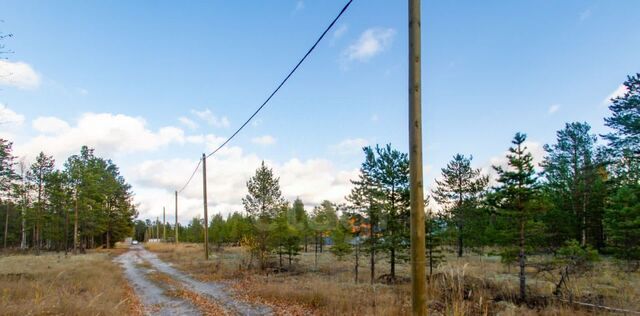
(154, 84)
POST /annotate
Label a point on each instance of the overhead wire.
(333, 22)
(283, 81)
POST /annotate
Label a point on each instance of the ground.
(471, 285)
(165, 279)
(59, 284)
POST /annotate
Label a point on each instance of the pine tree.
(340, 234)
(623, 225)
(364, 200)
(575, 186)
(515, 194)
(392, 177)
(263, 202)
(38, 176)
(459, 193)
(7, 179)
(433, 228)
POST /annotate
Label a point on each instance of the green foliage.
(264, 198)
(573, 254)
(341, 246)
(575, 186)
(623, 223)
(434, 228)
(263, 203)
(459, 192)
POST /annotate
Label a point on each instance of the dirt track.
(140, 267)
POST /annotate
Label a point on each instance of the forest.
(86, 204)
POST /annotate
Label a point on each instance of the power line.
(191, 177)
(271, 95)
(285, 79)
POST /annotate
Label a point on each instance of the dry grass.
(472, 285)
(53, 284)
(175, 289)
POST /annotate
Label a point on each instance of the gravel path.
(157, 303)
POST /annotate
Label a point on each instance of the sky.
(154, 84)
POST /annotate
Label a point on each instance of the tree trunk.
(75, 227)
(6, 226)
(373, 252)
(460, 245)
(357, 257)
(66, 232)
(393, 263)
(522, 259)
(23, 241)
(583, 242)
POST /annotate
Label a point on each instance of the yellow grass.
(53, 284)
(472, 285)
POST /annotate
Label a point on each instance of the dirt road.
(164, 290)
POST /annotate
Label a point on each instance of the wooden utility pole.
(164, 226)
(206, 216)
(418, 277)
(176, 228)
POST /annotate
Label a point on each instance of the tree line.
(584, 197)
(86, 204)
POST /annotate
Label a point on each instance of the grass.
(471, 285)
(55, 284)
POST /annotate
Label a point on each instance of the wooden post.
(176, 228)
(418, 277)
(206, 216)
(164, 225)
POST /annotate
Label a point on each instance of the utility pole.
(418, 276)
(176, 228)
(206, 216)
(164, 226)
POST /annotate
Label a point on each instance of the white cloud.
(8, 116)
(553, 108)
(109, 134)
(313, 180)
(619, 92)
(340, 31)
(50, 125)
(18, 74)
(265, 140)
(585, 14)
(211, 119)
(188, 122)
(349, 146)
(371, 42)
(299, 6)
